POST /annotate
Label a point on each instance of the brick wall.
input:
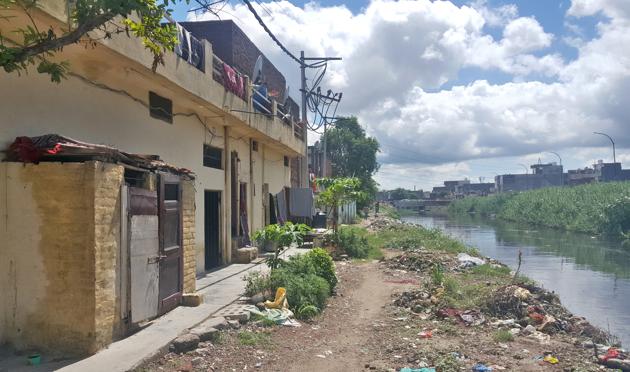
(47, 247)
(188, 196)
(107, 182)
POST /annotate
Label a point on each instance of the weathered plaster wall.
(61, 291)
(86, 113)
(276, 174)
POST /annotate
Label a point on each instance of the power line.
(271, 35)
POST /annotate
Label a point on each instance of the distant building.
(479, 189)
(316, 159)
(453, 185)
(544, 175)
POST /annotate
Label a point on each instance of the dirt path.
(346, 326)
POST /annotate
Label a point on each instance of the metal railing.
(298, 130)
(261, 103)
(283, 114)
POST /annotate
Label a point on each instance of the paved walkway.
(219, 288)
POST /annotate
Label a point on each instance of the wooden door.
(171, 242)
(143, 253)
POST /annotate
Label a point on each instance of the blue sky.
(464, 88)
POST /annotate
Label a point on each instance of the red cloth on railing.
(233, 81)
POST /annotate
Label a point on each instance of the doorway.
(171, 263)
(212, 241)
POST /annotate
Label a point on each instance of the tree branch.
(73, 36)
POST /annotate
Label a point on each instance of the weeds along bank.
(602, 208)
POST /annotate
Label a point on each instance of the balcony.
(193, 76)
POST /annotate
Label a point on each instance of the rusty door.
(171, 242)
(143, 253)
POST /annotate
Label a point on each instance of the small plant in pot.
(275, 237)
(268, 237)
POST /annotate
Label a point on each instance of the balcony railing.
(192, 50)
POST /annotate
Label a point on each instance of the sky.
(463, 88)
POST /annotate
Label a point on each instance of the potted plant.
(274, 238)
(268, 237)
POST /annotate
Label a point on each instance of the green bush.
(307, 312)
(308, 278)
(602, 208)
(302, 289)
(353, 241)
(324, 266)
(256, 282)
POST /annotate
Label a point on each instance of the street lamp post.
(556, 154)
(611, 141)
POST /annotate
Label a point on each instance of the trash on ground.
(551, 359)
(426, 334)
(280, 301)
(467, 260)
(479, 367)
(423, 369)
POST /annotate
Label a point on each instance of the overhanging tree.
(37, 44)
(353, 154)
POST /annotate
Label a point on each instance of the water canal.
(590, 274)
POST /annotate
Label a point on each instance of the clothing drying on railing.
(189, 48)
(261, 100)
(233, 81)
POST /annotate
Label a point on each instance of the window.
(160, 107)
(254, 145)
(286, 161)
(212, 157)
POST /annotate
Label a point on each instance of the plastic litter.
(612, 353)
(467, 260)
(280, 302)
(479, 367)
(551, 359)
(522, 293)
(278, 316)
(426, 334)
(424, 369)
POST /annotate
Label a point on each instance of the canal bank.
(591, 275)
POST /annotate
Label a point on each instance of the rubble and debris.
(186, 342)
(467, 260)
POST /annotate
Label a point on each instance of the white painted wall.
(34, 106)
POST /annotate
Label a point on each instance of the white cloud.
(399, 54)
(495, 16)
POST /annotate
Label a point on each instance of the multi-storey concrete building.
(65, 244)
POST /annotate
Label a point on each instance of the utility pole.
(611, 141)
(304, 163)
(305, 95)
(324, 146)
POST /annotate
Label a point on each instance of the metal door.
(144, 248)
(171, 234)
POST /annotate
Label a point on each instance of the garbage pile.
(416, 300)
(531, 308)
(381, 223)
(422, 261)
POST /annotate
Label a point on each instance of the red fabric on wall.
(233, 81)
